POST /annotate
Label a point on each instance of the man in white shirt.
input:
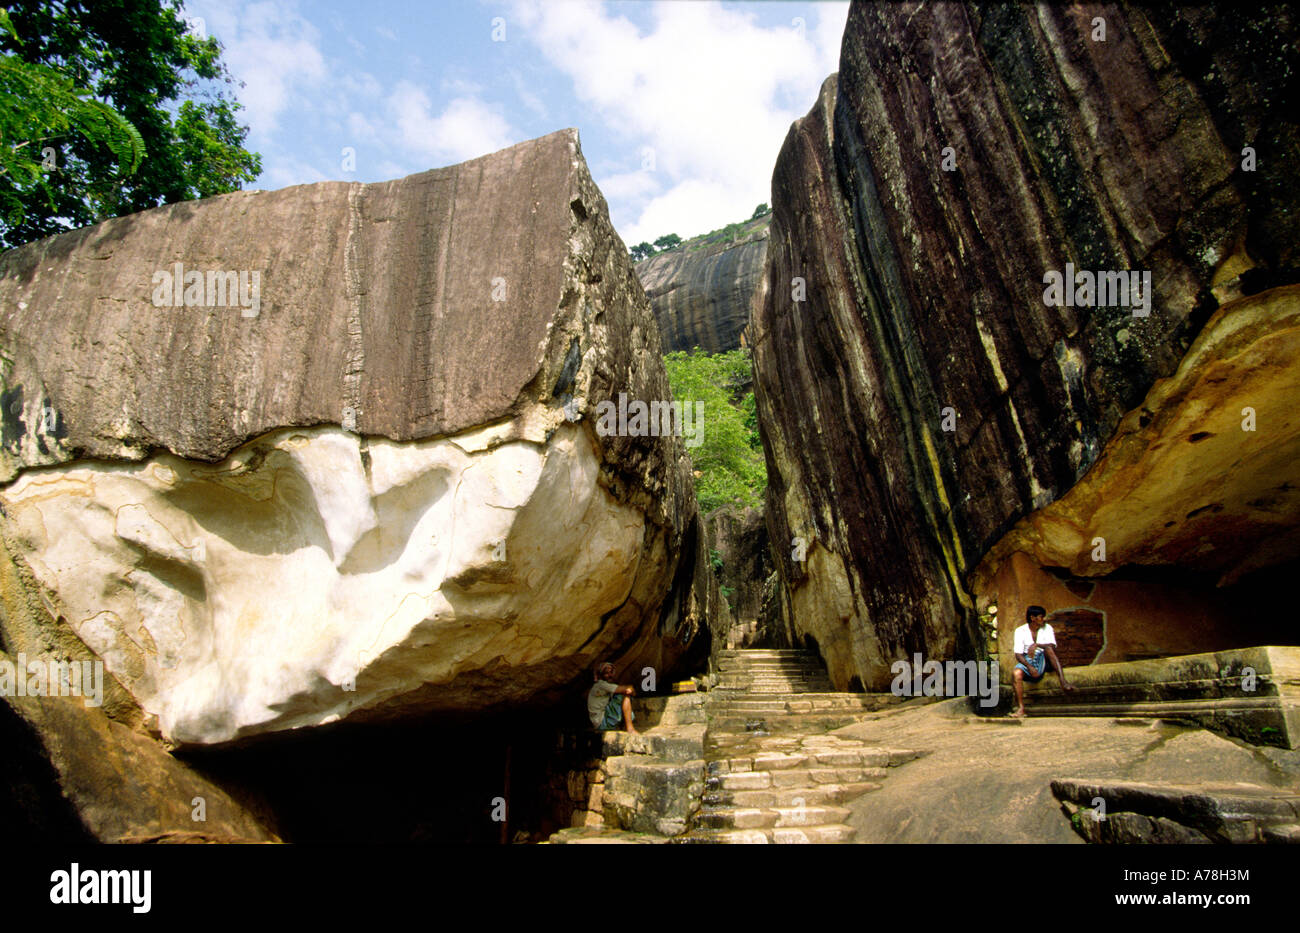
(1035, 645)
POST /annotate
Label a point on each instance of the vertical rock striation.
(918, 395)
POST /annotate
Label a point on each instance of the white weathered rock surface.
(246, 595)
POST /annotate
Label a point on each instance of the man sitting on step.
(608, 704)
(1035, 645)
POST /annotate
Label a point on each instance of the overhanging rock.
(369, 483)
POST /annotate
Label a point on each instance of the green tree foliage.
(641, 251)
(39, 106)
(761, 211)
(668, 241)
(730, 459)
(136, 58)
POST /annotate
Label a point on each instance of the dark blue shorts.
(613, 712)
(1037, 670)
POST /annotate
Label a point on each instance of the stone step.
(769, 817)
(766, 760)
(595, 835)
(680, 710)
(671, 743)
(799, 674)
(771, 675)
(787, 723)
(767, 653)
(809, 685)
(767, 691)
(797, 777)
(799, 703)
(736, 665)
(787, 835)
(818, 794)
(862, 699)
(721, 748)
(650, 795)
(790, 685)
(830, 757)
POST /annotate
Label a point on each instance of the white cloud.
(285, 170)
(703, 89)
(627, 185)
(526, 96)
(271, 48)
(690, 207)
(465, 129)
(360, 127)
(829, 34)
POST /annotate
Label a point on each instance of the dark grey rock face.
(918, 395)
(702, 297)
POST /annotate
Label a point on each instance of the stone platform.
(1213, 690)
(1146, 812)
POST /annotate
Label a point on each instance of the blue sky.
(681, 105)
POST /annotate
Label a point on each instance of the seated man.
(1035, 644)
(608, 704)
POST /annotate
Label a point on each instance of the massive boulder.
(371, 486)
(920, 389)
(701, 292)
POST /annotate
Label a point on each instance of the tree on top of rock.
(668, 241)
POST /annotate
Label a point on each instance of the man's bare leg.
(627, 714)
(1018, 677)
(1067, 687)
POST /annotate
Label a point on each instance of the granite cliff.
(922, 389)
(701, 292)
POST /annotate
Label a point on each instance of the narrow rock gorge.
(936, 416)
(312, 520)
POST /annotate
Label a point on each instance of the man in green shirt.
(608, 704)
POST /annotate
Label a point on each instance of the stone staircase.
(765, 771)
(773, 774)
(648, 786)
